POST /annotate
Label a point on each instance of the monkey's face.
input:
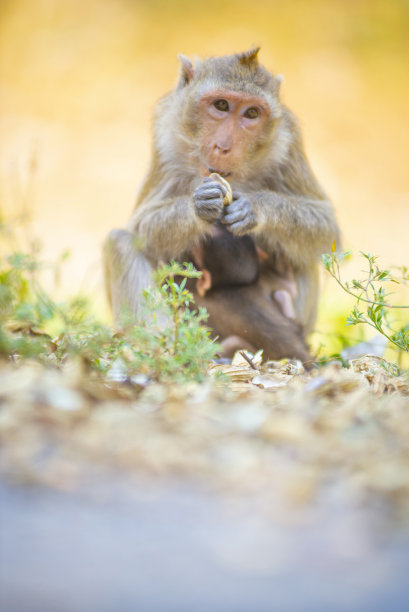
(233, 123)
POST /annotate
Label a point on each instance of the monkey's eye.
(221, 105)
(251, 113)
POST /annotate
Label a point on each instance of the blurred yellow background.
(79, 81)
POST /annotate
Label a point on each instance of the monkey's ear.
(187, 71)
(278, 81)
(249, 58)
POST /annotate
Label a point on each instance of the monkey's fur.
(229, 260)
(249, 315)
(286, 212)
(249, 312)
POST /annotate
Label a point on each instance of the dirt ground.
(130, 494)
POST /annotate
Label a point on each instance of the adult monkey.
(225, 116)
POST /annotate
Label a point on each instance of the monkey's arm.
(302, 227)
(168, 226)
(294, 216)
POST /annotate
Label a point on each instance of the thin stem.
(359, 297)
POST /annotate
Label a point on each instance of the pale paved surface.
(123, 548)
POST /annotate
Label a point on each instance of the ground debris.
(380, 374)
(271, 425)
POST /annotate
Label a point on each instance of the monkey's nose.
(221, 149)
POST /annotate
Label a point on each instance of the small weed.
(372, 295)
(172, 343)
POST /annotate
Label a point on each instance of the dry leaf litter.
(268, 426)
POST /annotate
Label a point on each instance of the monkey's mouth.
(223, 174)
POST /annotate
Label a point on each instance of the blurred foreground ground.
(279, 490)
(132, 546)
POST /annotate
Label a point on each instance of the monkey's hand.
(208, 200)
(239, 217)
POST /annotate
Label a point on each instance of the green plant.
(171, 343)
(372, 297)
(187, 341)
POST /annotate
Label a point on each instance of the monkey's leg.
(246, 313)
(127, 274)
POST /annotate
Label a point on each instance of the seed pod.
(228, 198)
